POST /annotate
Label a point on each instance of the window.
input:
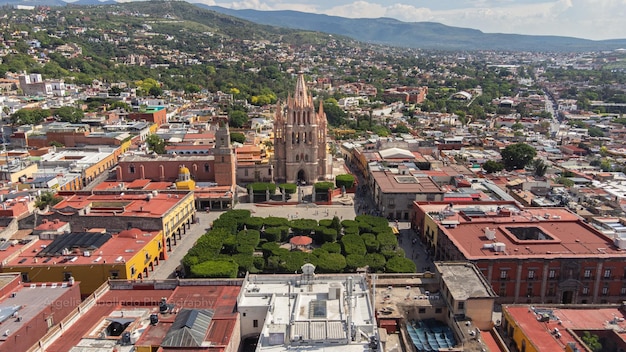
(207, 168)
(552, 273)
(605, 290)
(502, 291)
(67, 275)
(503, 274)
(131, 169)
(585, 291)
(461, 305)
(255, 323)
(529, 291)
(438, 310)
(607, 273)
(114, 274)
(25, 277)
(622, 291)
(531, 274)
(50, 321)
(422, 310)
(587, 274)
(133, 271)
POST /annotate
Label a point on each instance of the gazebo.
(300, 241)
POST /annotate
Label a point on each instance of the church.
(300, 153)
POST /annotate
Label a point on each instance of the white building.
(308, 311)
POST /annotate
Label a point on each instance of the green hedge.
(345, 180)
(262, 187)
(288, 188)
(215, 268)
(322, 187)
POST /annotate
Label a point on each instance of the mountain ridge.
(424, 35)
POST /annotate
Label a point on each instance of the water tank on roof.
(499, 247)
(620, 242)
(490, 233)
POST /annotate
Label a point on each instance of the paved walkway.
(166, 268)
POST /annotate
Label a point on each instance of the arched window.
(306, 157)
(207, 168)
(131, 169)
(297, 157)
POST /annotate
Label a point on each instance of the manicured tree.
(325, 222)
(269, 249)
(371, 243)
(272, 221)
(354, 261)
(249, 238)
(253, 223)
(345, 180)
(332, 247)
(388, 241)
(351, 230)
(336, 224)
(215, 269)
(349, 223)
(273, 234)
(303, 227)
(229, 245)
(329, 235)
(400, 265)
(375, 261)
(331, 263)
(353, 244)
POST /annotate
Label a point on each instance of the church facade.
(300, 153)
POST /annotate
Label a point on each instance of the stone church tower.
(300, 139)
(225, 159)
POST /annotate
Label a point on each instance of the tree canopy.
(517, 156)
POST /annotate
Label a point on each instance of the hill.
(425, 35)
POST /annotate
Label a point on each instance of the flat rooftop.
(390, 182)
(484, 231)
(464, 281)
(29, 301)
(311, 312)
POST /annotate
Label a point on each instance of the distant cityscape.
(174, 179)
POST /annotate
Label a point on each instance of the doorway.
(301, 179)
(567, 297)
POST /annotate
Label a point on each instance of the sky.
(589, 19)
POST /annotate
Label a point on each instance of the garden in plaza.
(238, 243)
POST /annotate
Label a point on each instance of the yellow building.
(171, 212)
(91, 257)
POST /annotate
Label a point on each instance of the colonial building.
(300, 139)
(531, 255)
